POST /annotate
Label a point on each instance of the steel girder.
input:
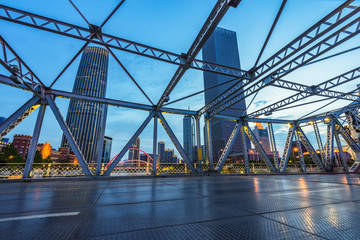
(259, 148)
(321, 89)
(315, 32)
(87, 34)
(228, 147)
(176, 143)
(343, 34)
(209, 143)
(18, 116)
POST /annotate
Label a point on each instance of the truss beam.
(319, 141)
(307, 91)
(245, 151)
(273, 144)
(326, 24)
(341, 152)
(18, 116)
(287, 149)
(340, 36)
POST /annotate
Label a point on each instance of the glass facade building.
(189, 136)
(221, 48)
(84, 118)
(106, 149)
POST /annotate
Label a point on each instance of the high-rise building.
(263, 137)
(189, 136)
(221, 48)
(134, 153)
(84, 118)
(161, 155)
(106, 150)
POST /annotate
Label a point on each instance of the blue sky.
(171, 26)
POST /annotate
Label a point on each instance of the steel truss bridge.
(336, 28)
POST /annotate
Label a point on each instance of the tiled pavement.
(204, 207)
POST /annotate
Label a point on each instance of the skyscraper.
(161, 147)
(188, 136)
(221, 48)
(84, 118)
(106, 149)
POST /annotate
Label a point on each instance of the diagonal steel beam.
(245, 150)
(305, 141)
(209, 26)
(273, 144)
(228, 147)
(176, 143)
(270, 32)
(18, 116)
(307, 91)
(300, 152)
(128, 144)
(67, 133)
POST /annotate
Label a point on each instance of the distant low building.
(22, 144)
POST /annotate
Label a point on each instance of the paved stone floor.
(205, 207)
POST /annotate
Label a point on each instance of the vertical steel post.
(209, 144)
(68, 135)
(245, 152)
(155, 145)
(329, 147)
(101, 140)
(34, 142)
(198, 142)
(273, 145)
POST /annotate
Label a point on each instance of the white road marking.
(291, 193)
(40, 216)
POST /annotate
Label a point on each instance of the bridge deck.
(219, 207)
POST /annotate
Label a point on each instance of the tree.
(9, 154)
